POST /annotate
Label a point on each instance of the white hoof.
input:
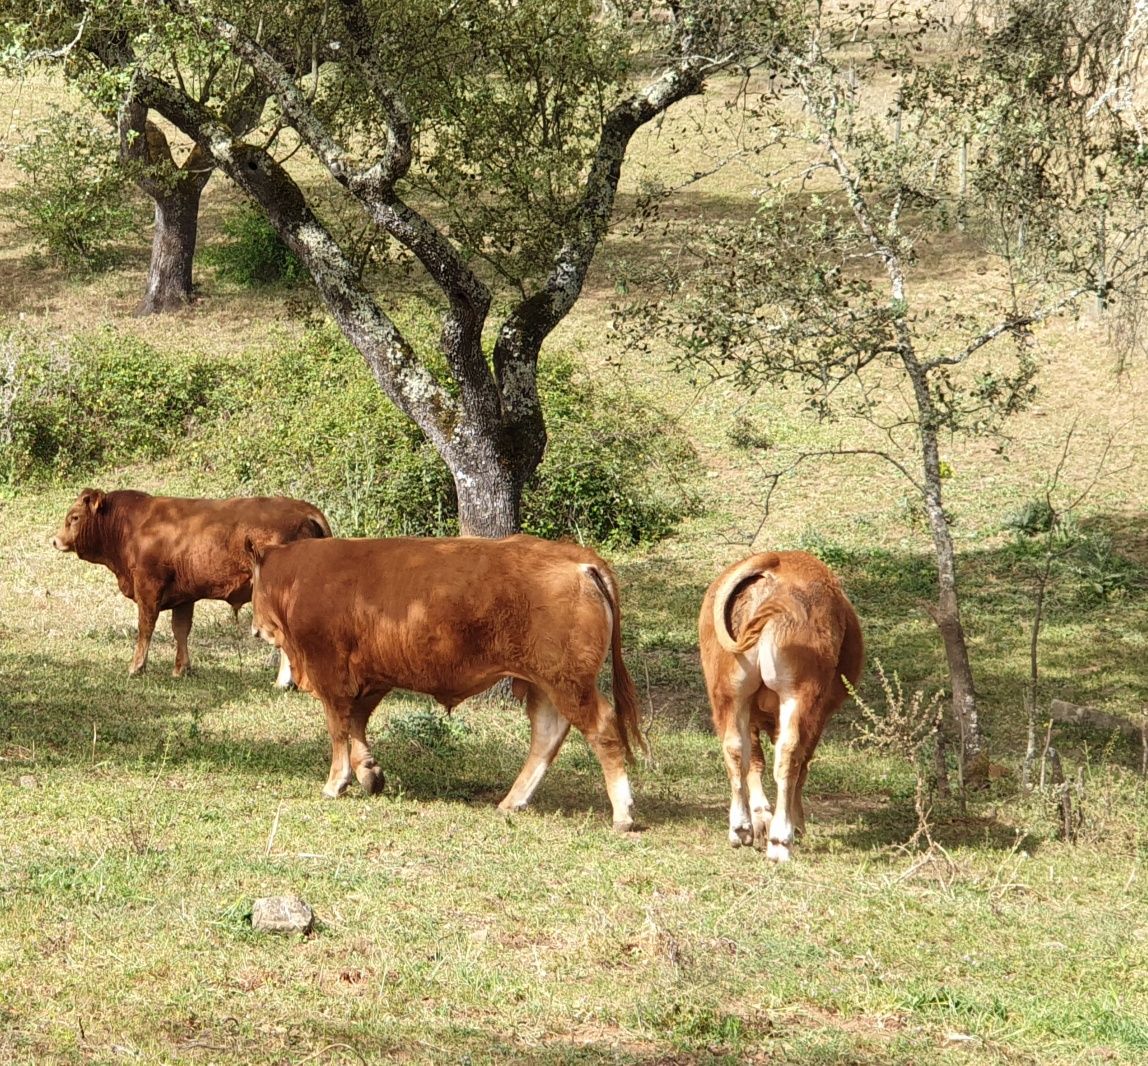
(778, 852)
(334, 791)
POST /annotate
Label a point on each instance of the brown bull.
(449, 617)
(777, 636)
(168, 552)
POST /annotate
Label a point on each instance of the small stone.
(28, 781)
(281, 914)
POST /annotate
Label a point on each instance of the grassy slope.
(127, 871)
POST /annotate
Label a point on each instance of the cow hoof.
(741, 836)
(135, 671)
(177, 672)
(778, 852)
(625, 827)
(371, 779)
(333, 792)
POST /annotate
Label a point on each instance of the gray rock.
(281, 914)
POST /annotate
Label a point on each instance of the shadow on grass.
(70, 714)
(881, 832)
(1095, 612)
(687, 1037)
(227, 716)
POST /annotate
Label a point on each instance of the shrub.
(427, 728)
(317, 425)
(103, 400)
(616, 470)
(254, 253)
(308, 420)
(72, 195)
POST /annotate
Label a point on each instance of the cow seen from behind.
(449, 617)
(168, 552)
(777, 636)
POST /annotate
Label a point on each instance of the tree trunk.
(947, 613)
(169, 285)
(489, 498)
(176, 192)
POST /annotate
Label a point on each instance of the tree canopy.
(484, 139)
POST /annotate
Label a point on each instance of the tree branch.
(1013, 324)
(528, 325)
(396, 158)
(409, 385)
(469, 298)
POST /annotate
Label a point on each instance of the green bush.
(311, 421)
(254, 254)
(72, 194)
(427, 728)
(308, 420)
(104, 400)
(616, 471)
(318, 426)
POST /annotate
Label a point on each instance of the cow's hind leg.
(338, 727)
(181, 616)
(548, 730)
(737, 751)
(362, 761)
(791, 752)
(599, 722)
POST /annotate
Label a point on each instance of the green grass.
(446, 932)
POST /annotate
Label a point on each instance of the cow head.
(83, 512)
(261, 624)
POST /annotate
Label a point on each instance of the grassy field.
(140, 818)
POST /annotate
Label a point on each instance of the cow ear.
(255, 553)
(93, 499)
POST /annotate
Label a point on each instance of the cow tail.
(745, 571)
(779, 605)
(625, 694)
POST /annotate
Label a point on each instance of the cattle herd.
(355, 618)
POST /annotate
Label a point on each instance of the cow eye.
(71, 519)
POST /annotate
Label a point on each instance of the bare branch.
(1014, 324)
(48, 55)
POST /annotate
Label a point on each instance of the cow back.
(445, 616)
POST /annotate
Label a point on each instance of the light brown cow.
(167, 552)
(777, 635)
(449, 617)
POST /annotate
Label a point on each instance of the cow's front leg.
(362, 761)
(759, 809)
(181, 616)
(147, 613)
(284, 679)
(338, 721)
